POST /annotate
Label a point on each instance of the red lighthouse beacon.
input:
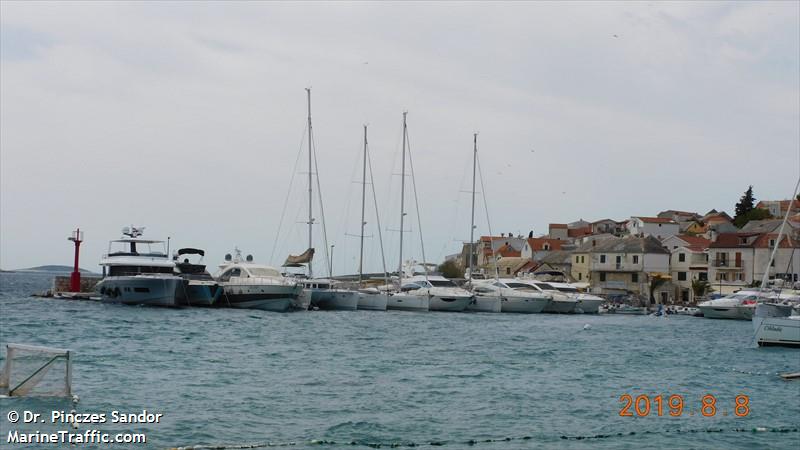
(75, 277)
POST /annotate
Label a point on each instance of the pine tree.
(746, 203)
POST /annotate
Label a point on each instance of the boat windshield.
(442, 283)
(519, 286)
(129, 248)
(545, 287)
(567, 289)
(263, 272)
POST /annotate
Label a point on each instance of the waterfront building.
(619, 266)
(737, 260)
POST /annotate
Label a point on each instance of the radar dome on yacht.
(249, 258)
(228, 257)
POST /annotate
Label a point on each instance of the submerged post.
(75, 277)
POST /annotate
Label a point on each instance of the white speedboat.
(442, 293)
(560, 303)
(737, 306)
(485, 303)
(513, 295)
(774, 325)
(408, 301)
(587, 303)
(139, 272)
(255, 286)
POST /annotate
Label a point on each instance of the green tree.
(753, 214)
(655, 282)
(451, 269)
(745, 205)
(701, 287)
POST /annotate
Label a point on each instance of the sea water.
(377, 379)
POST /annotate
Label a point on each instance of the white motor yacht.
(139, 272)
(737, 306)
(255, 286)
(513, 295)
(443, 294)
(483, 300)
(775, 325)
(560, 303)
(587, 303)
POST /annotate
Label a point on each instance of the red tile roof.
(558, 225)
(506, 250)
(656, 219)
(579, 232)
(761, 240)
(696, 241)
(537, 244)
(784, 204)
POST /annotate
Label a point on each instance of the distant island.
(50, 269)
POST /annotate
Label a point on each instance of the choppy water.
(330, 379)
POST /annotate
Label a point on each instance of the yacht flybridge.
(138, 271)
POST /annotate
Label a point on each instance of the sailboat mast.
(402, 199)
(472, 217)
(310, 184)
(363, 202)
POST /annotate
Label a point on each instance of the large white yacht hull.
(727, 312)
(402, 302)
(777, 331)
(774, 325)
(275, 298)
(524, 305)
(561, 306)
(485, 304)
(448, 303)
(372, 301)
(334, 299)
(149, 290)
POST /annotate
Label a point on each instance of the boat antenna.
(310, 184)
(363, 202)
(488, 222)
(416, 205)
(472, 217)
(402, 201)
(780, 233)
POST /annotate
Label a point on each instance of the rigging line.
(488, 222)
(321, 208)
(345, 223)
(416, 205)
(780, 233)
(377, 216)
(288, 194)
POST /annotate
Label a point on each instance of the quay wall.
(61, 283)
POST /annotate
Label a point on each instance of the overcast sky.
(187, 118)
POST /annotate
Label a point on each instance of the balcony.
(727, 264)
